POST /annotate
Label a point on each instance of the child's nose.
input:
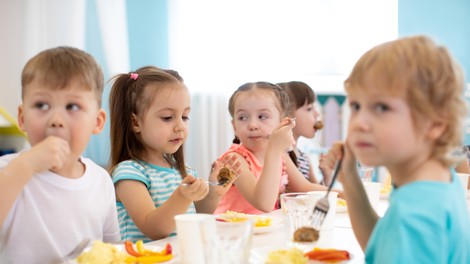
(253, 125)
(56, 120)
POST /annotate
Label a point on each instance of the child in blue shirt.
(407, 111)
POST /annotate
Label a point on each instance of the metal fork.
(322, 206)
(208, 182)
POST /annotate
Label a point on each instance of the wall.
(445, 21)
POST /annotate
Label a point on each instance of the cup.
(373, 193)
(463, 177)
(365, 173)
(298, 209)
(188, 230)
(330, 216)
(227, 242)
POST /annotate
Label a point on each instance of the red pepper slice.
(168, 249)
(130, 249)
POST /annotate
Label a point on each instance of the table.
(340, 237)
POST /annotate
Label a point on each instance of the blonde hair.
(57, 67)
(428, 78)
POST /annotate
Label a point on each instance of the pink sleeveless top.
(233, 200)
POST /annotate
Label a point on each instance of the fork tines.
(319, 213)
(322, 206)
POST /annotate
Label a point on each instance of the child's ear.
(100, 121)
(135, 123)
(436, 128)
(233, 126)
(21, 118)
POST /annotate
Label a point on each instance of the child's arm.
(51, 154)
(363, 217)
(311, 174)
(210, 202)
(297, 181)
(157, 223)
(264, 192)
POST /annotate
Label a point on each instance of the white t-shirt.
(53, 214)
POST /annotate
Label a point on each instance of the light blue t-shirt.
(160, 182)
(426, 222)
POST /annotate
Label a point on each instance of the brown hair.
(281, 98)
(299, 94)
(128, 97)
(57, 67)
(427, 76)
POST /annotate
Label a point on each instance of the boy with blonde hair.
(407, 112)
(51, 197)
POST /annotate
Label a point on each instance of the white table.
(340, 237)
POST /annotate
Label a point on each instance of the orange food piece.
(330, 255)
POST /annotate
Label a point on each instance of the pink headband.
(134, 76)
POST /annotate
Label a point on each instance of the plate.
(341, 206)
(384, 196)
(121, 248)
(276, 222)
(260, 254)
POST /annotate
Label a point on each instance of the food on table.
(286, 256)
(101, 252)
(306, 234)
(107, 253)
(328, 255)
(318, 125)
(259, 221)
(341, 202)
(225, 176)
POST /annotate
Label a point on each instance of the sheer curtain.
(219, 45)
(30, 26)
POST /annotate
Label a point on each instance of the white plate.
(276, 222)
(341, 209)
(384, 196)
(260, 254)
(122, 248)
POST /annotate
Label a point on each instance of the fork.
(323, 205)
(207, 182)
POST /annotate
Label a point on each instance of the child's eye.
(167, 118)
(185, 118)
(262, 117)
(354, 106)
(72, 107)
(381, 108)
(41, 106)
(242, 118)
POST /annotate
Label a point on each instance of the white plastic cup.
(463, 177)
(188, 229)
(373, 193)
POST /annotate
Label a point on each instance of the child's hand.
(281, 137)
(338, 150)
(49, 154)
(230, 162)
(195, 190)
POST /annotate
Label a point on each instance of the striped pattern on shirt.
(160, 182)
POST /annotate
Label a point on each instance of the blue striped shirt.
(160, 182)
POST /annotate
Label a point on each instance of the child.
(149, 124)
(262, 134)
(302, 98)
(407, 109)
(51, 197)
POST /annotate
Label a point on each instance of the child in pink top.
(263, 134)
